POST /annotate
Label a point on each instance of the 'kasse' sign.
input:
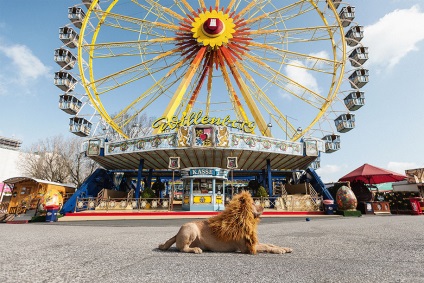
(202, 172)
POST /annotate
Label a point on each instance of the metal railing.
(290, 203)
(121, 204)
(281, 203)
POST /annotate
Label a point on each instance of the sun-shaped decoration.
(213, 28)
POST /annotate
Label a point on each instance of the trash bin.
(415, 205)
(329, 207)
(52, 213)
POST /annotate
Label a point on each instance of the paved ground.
(364, 249)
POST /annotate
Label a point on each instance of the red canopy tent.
(372, 175)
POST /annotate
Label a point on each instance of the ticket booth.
(203, 188)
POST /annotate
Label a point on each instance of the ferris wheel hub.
(213, 27)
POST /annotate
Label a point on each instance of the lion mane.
(237, 222)
(234, 229)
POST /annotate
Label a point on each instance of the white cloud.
(285, 95)
(400, 167)
(26, 65)
(297, 72)
(331, 173)
(321, 54)
(20, 69)
(394, 36)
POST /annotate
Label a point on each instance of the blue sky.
(388, 129)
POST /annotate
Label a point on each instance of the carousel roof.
(252, 151)
(247, 160)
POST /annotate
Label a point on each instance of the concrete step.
(17, 222)
(23, 217)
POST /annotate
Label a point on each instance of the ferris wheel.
(290, 68)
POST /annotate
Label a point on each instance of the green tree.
(261, 192)
(148, 193)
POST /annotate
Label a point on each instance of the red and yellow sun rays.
(222, 39)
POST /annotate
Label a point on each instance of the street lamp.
(269, 126)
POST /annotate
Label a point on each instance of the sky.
(388, 134)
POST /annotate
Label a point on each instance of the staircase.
(318, 184)
(20, 218)
(91, 187)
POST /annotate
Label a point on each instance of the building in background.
(9, 158)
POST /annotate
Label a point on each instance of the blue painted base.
(203, 207)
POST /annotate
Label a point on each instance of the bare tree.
(135, 127)
(58, 160)
(79, 166)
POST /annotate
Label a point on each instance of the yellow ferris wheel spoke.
(114, 85)
(230, 6)
(132, 44)
(166, 10)
(254, 110)
(278, 74)
(189, 8)
(209, 85)
(176, 99)
(281, 16)
(285, 86)
(262, 98)
(293, 31)
(246, 9)
(284, 52)
(154, 95)
(139, 22)
(157, 10)
(132, 48)
(269, 14)
(155, 85)
(202, 4)
(134, 68)
(216, 4)
(238, 107)
(198, 83)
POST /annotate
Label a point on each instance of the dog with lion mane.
(233, 230)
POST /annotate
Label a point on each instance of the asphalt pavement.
(339, 249)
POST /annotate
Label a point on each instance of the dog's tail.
(168, 243)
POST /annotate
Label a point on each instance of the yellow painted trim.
(207, 199)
